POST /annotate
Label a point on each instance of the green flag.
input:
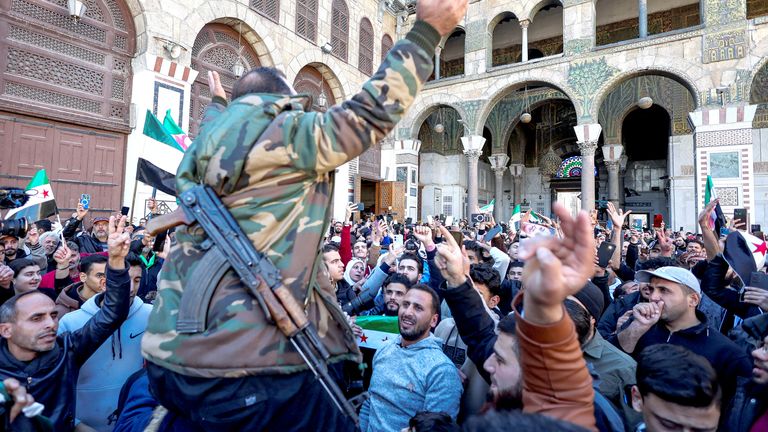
(709, 191)
(514, 221)
(41, 203)
(377, 330)
(488, 208)
(155, 130)
(178, 134)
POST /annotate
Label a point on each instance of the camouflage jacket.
(272, 163)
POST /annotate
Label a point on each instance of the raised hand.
(443, 15)
(423, 234)
(617, 216)
(6, 276)
(557, 267)
(646, 315)
(666, 246)
(351, 208)
(392, 255)
(757, 297)
(33, 236)
(704, 220)
(118, 243)
(214, 85)
(452, 260)
(81, 211)
(62, 256)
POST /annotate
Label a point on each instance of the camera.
(477, 218)
(10, 198)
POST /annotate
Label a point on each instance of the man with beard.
(543, 343)
(31, 352)
(12, 250)
(411, 374)
(394, 289)
(671, 317)
(93, 243)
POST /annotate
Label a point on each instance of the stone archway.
(218, 47)
(66, 96)
(311, 80)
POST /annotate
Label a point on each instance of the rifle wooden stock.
(167, 221)
(279, 314)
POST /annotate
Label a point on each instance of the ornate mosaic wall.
(665, 92)
(660, 22)
(513, 53)
(449, 141)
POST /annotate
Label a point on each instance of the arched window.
(306, 19)
(386, 45)
(268, 8)
(217, 47)
(452, 56)
(365, 59)
(340, 29)
(310, 80)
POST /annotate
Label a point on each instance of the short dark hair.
(261, 80)
(656, 263)
(133, 260)
(581, 319)
(8, 309)
(677, 375)
(507, 325)
(74, 247)
(88, 262)
(330, 247)
(695, 240)
(426, 421)
(516, 264)
(472, 245)
(485, 274)
(500, 421)
(397, 278)
(20, 264)
(431, 292)
(412, 257)
(45, 224)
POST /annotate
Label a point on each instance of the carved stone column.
(517, 171)
(612, 157)
(587, 136)
(499, 166)
(524, 25)
(473, 149)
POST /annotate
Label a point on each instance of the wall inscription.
(723, 46)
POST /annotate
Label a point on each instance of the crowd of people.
(526, 325)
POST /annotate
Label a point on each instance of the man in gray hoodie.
(411, 374)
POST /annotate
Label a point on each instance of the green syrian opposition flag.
(178, 134)
(377, 330)
(41, 203)
(514, 221)
(709, 191)
(155, 130)
(488, 208)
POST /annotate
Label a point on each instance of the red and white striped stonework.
(174, 70)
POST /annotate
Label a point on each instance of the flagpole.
(133, 200)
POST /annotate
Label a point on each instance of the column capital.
(725, 118)
(473, 154)
(499, 171)
(499, 162)
(517, 170)
(588, 132)
(587, 148)
(473, 143)
(525, 23)
(612, 152)
(613, 165)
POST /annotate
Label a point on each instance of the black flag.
(151, 175)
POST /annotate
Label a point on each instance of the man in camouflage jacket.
(271, 163)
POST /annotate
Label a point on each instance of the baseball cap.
(100, 219)
(673, 274)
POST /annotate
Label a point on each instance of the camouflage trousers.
(292, 402)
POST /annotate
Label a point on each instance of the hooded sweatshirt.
(69, 299)
(407, 380)
(103, 374)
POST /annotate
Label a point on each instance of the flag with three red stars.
(745, 253)
(41, 203)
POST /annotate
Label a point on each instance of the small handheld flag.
(41, 203)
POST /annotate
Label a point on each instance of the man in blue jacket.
(32, 353)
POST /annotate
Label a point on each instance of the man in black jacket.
(49, 365)
(90, 243)
(671, 316)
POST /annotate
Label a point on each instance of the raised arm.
(350, 128)
(556, 381)
(114, 311)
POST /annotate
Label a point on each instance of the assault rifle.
(263, 280)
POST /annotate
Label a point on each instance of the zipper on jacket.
(670, 336)
(29, 380)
